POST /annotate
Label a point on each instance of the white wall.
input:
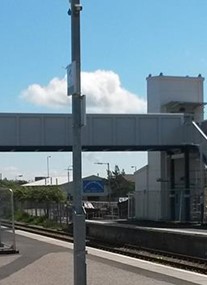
(147, 190)
(164, 89)
(141, 179)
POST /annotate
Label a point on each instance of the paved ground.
(44, 261)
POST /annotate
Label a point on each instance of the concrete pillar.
(172, 189)
(187, 185)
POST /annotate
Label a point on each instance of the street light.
(68, 186)
(108, 166)
(108, 175)
(48, 167)
(70, 168)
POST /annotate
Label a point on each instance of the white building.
(94, 187)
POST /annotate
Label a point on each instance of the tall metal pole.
(79, 231)
(109, 181)
(48, 168)
(68, 172)
(12, 214)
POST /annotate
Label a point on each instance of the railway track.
(166, 258)
(153, 255)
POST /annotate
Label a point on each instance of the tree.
(45, 195)
(120, 186)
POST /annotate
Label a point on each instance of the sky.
(122, 42)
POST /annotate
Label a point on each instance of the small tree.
(120, 187)
(39, 194)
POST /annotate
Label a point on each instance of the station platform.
(46, 261)
(156, 226)
(184, 239)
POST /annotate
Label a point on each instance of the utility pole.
(78, 115)
(48, 167)
(68, 172)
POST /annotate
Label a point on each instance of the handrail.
(199, 129)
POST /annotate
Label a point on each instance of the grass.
(43, 221)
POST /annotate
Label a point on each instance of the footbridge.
(103, 132)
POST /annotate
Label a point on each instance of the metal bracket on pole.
(71, 79)
(83, 110)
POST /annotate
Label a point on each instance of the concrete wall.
(147, 193)
(141, 181)
(183, 243)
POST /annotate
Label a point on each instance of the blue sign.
(93, 186)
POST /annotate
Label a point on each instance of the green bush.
(50, 224)
(39, 220)
(22, 216)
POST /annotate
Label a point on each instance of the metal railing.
(7, 234)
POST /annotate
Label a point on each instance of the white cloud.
(105, 94)
(52, 95)
(103, 90)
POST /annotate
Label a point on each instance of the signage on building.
(93, 186)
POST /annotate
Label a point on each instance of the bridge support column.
(187, 185)
(172, 189)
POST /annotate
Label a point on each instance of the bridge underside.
(59, 148)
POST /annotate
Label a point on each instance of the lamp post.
(48, 166)
(108, 166)
(108, 176)
(68, 171)
(68, 186)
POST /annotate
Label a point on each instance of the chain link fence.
(175, 203)
(62, 213)
(143, 204)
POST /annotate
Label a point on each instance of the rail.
(166, 258)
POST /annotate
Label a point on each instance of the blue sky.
(122, 42)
